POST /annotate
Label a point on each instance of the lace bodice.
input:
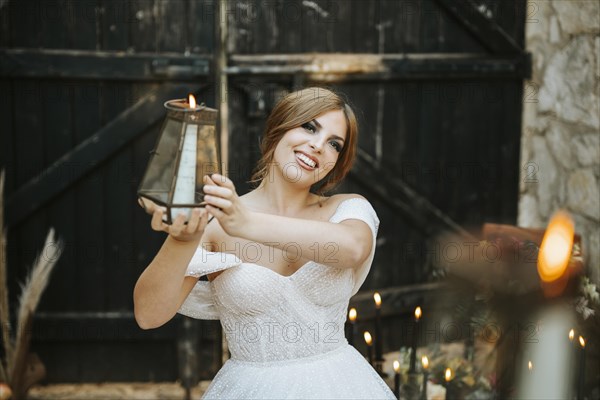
(270, 317)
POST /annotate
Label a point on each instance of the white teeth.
(307, 160)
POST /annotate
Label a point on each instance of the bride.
(281, 262)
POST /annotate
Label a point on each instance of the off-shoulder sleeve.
(360, 209)
(200, 302)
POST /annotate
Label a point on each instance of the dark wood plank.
(171, 25)
(57, 114)
(486, 30)
(7, 153)
(29, 143)
(84, 29)
(82, 64)
(115, 22)
(6, 12)
(26, 19)
(143, 27)
(200, 26)
(55, 22)
(89, 210)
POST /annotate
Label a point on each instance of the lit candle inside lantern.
(425, 364)
(581, 371)
(530, 365)
(185, 186)
(396, 365)
(571, 335)
(378, 339)
(413, 354)
(352, 314)
(369, 342)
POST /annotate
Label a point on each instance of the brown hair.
(296, 109)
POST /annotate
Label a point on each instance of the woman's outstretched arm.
(163, 287)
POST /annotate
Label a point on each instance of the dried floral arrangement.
(19, 368)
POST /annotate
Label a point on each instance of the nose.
(317, 143)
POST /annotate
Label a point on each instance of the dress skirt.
(342, 373)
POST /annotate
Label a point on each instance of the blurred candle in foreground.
(425, 365)
(581, 370)
(555, 253)
(352, 320)
(413, 354)
(369, 342)
(550, 355)
(397, 378)
(448, 377)
(378, 338)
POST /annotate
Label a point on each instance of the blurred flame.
(581, 341)
(530, 365)
(425, 362)
(396, 366)
(448, 375)
(571, 334)
(377, 298)
(192, 101)
(418, 313)
(352, 314)
(556, 246)
(368, 338)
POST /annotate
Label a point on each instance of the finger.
(178, 225)
(208, 180)
(223, 181)
(148, 205)
(203, 220)
(218, 214)
(192, 224)
(223, 204)
(157, 220)
(217, 191)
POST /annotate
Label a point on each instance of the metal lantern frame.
(159, 182)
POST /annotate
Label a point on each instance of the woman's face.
(308, 153)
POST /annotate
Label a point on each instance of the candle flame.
(530, 365)
(425, 362)
(377, 298)
(418, 313)
(192, 101)
(572, 334)
(581, 341)
(368, 338)
(556, 246)
(396, 366)
(352, 314)
(448, 375)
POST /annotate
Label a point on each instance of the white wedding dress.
(286, 333)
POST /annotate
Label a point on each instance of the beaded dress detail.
(286, 333)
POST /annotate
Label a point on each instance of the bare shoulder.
(336, 199)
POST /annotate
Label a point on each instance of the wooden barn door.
(438, 86)
(82, 87)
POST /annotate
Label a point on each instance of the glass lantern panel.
(161, 168)
(207, 162)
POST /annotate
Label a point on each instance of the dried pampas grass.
(13, 368)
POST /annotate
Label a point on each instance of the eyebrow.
(319, 126)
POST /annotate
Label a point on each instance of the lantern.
(187, 149)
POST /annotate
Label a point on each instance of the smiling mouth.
(306, 161)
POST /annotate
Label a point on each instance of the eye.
(309, 127)
(338, 147)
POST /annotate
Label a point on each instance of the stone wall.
(560, 155)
